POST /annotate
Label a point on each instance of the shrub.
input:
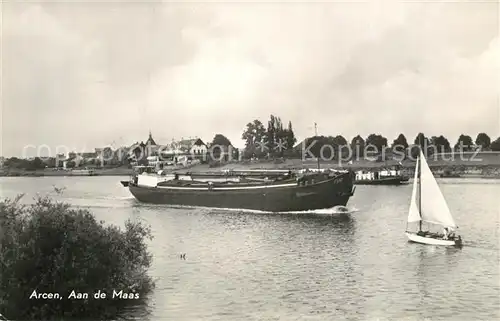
(51, 248)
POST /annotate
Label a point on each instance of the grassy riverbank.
(112, 171)
(466, 167)
(117, 171)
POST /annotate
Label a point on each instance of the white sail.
(414, 214)
(434, 208)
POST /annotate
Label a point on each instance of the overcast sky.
(86, 74)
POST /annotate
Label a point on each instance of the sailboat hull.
(429, 240)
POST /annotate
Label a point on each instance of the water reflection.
(433, 267)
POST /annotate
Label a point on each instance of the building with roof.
(104, 155)
(193, 148)
(167, 154)
(150, 141)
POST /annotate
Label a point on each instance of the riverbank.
(117, 171)
(113, 171)
(464, 169)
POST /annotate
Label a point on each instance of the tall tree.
(277, 138)
(280, 137)
(320, 146)
(358, 146)
(221, 145)
(221, 140)
(37, 163)
(400, 145)
(376, 140)
(339, 142)
(290, 137)
(483, 140)
(273, 140)
(495, 145)
(464, 143)
(400, 141)
(422, 141)
(441, 144)
(254, 135)
(270, 139)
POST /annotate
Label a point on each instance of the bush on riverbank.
(51, 248)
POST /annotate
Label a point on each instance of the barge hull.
(284, 198)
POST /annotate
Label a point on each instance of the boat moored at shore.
(449, 174)
(384, 177)
(82, 172)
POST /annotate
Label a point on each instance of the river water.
(307, 266)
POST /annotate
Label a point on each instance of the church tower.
(150, 140)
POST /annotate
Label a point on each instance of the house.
(151, 148)
(188, 145)
(169, 154)
(198, 147)
(184, 144)
(154, 161)
(104, 155)
(121, 155)
(138, 151)
(59, 160)
(193, 148)
(88, 155)
(132, 150)
(73, 160)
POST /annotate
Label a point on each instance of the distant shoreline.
(64, 173)
(463, 168)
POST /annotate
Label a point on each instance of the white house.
(198, 148)
(153, 160)
(104, 155)
(191, 148)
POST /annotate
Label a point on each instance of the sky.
(86, 74)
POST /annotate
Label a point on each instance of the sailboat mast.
(316, 136)
(420, 186)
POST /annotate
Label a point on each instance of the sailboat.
(428, 205)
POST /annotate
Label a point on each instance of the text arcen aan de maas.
(75, 295)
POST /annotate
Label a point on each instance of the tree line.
(27, 164)
(277, 140)
(440, 144)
